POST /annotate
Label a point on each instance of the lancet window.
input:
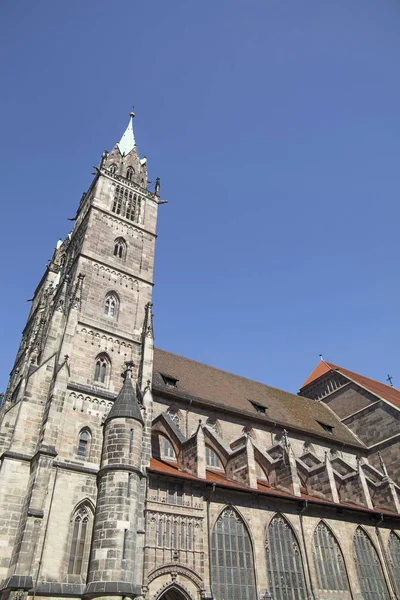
(126, 203)
(83, 443)
(284, 562)
(232, 566)
(369, 569)
(111, 306)
(394, 556)
(82, 524)
(102, 368)
(129, 173)
(113, 168)
(329, 563)
(120, 248)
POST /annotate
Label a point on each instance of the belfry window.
(394, 555)
(284, 562)
(83, 443)
(113, 168)
(129, 173)
(101, 372)
(329, 563)
(369, 570)
(111, 306)
(126, 203)
(232, 566)
(82, 523)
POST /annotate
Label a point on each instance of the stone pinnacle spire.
(126, 403)
(127, 142)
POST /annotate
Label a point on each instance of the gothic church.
(179, 481)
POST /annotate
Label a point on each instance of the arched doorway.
(174, 593)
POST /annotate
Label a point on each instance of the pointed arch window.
(84, 443)
(111, 306)
(120, 248)
(329, 563)
(369, 569)
(212, 459)
(82, 524)
(394, 556)
(232, 565)
(167, 449)
(126, 203)
(129, 173)
(102, 369)
(113, 168)
(284, 562)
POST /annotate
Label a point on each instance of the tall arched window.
(111, 306)
(102, 369)
(284, 562)
(394, 555)
(329, 563)
(369, 569)
(113, 168)
(84, 443)
(129, 173)
(232, 568)
(82, 524)
(167, 449)
(119, 248)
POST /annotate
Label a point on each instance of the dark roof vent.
(259, 407)
(169, 380)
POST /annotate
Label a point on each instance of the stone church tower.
(89, 323)
(179, 481)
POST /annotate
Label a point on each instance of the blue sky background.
(274, 126)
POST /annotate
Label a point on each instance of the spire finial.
(132, 113)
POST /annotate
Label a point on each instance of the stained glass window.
(232, 569)
(284, 562)
(394, 555)
(369, 569)
(328, 558)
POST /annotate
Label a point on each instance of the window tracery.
(284, 562)
(129, 173)
(102, 368)
(328, 559)
(394, 556)
(111, 306)
(120, 248)
(126, 203)
(82, 523)
(232, 566)
(369, 569)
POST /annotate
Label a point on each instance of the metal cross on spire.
(390, 380)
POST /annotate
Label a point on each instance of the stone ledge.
(17, 582)
(113, 588)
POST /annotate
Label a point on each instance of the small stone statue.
(157, 187)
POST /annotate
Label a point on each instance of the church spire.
(127, 142)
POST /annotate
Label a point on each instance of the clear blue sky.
(274, 126)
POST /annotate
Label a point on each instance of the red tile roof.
(375, 387)
(219, 479)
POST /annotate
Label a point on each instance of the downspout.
(305, 506)
(209, 534)
(385, 557)
(45, 535)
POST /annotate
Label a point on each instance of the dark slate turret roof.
(126, 404)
